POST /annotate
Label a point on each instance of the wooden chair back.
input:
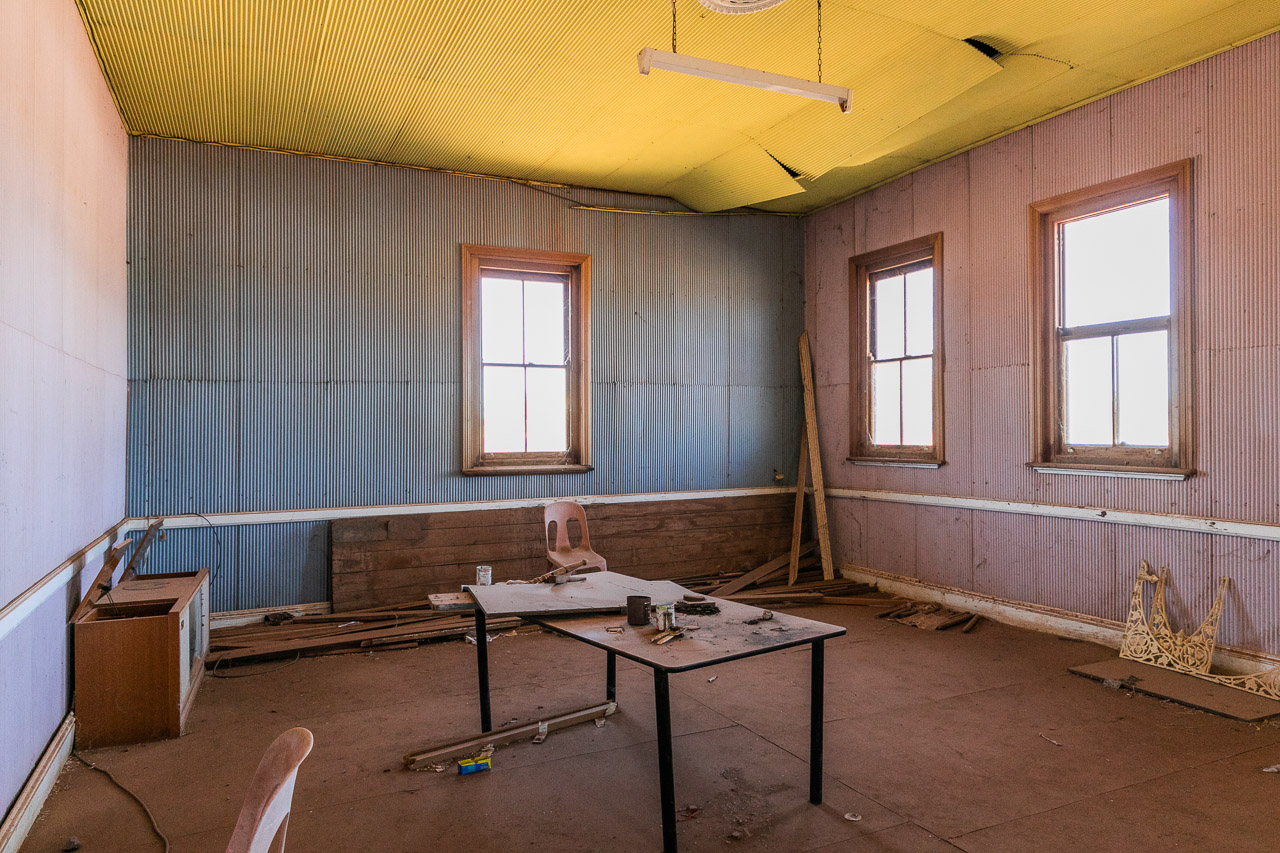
(560, 549)
(264, 817)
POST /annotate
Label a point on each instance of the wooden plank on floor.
(1183, 689)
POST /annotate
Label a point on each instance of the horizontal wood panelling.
(390, 559)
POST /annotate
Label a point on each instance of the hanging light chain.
(819, 40)
(673, 27)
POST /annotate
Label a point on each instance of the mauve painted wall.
(1224, 113)
(63, 165)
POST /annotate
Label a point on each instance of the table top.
(596, 592)
(716, 639)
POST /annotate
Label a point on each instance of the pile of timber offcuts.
(930, 617)
(378, 628)
(768, 585)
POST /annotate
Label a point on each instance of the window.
(1110, 293)
(526, 392)
(895, 318)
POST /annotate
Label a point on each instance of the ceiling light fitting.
(739, 7)
(650, 58)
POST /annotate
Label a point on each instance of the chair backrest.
(264, 817)
(559, 514)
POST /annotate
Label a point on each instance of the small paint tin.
(637, 610)
(484, 575)
(665, 614)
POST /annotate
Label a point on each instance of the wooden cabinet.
(139, 659)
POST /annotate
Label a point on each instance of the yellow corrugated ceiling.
(551, 91)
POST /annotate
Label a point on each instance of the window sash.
(1047, 218)
(570, 270)
(866, 272)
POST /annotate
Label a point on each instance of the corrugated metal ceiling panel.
(552, 92)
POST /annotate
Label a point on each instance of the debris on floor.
(381, 628)
(772, 588)
(428, 758)
(930, 617)
(1274, 768)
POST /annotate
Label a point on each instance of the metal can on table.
(665, 614)
(484, 575)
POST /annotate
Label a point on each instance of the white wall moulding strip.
(1036, 617)
(288, 516)
(12, 614)
(1159, 521)
(17, 823)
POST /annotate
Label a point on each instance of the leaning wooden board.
(599, 592)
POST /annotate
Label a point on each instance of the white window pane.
(504, 410)
(886, 400)
(1116, 265)
(548, 406)
(501, 321)
(920, 313)
(1087, 365)
(888, 305)
(1144, 389)
(917, 402)
(544, 332)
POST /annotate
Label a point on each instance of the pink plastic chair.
(264, 817)
(560, 552)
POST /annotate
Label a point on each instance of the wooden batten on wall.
(390, 559)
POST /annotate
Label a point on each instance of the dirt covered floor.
(936, 741)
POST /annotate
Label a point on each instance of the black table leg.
(666, 769)
(815, 725)
(611, 677)
(482, 664)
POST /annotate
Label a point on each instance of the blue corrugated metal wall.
(295, 342)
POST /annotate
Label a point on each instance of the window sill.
(512, 470)
(1135, 473)
(895, 463)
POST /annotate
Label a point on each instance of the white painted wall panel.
(1224, 114)
(63, 168)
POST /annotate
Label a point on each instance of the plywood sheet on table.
(595, 592)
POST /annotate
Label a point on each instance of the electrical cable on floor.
(214, 672)
(154, 826)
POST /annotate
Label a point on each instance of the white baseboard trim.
(17, 823)
(1035, 617)
(240, 618)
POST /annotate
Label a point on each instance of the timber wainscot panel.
(384, 560)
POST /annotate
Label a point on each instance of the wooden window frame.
(861, 269)
(476, 260)
(1050, 449)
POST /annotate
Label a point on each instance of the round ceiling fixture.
(739, 7)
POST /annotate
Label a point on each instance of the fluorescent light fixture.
(650, 58)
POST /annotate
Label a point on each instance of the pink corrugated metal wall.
(1224, 114)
